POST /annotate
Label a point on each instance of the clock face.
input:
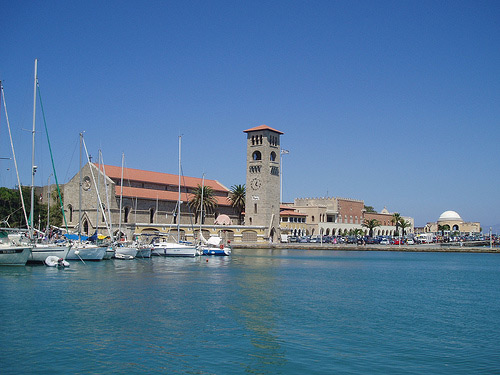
(255, 184)
(86, 183)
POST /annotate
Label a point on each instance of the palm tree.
(237, 199)
(404, 224)
(371, 224)
(205, 194)
(396, 220)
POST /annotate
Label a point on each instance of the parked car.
(384, 241)
(410, 241)
(315, 239)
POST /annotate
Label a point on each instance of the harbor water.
(256, 312)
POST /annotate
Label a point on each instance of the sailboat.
(123, 249)
(40, 251)
(84, 250)
(12, 252)
(178, 248)
(214, 245)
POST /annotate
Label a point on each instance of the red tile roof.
(262, 127)
(137, 175)
(158, 178)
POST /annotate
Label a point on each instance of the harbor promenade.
(447, 248)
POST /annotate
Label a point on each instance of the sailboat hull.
(40, 252)
(125, 250)
(14, 255)
(86, 253)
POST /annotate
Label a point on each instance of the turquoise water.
(257, 312)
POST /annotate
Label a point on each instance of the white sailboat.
(123, 249)
(84, 250)
(214, 245)
(12, 252)
(178, 248)
(40, 251)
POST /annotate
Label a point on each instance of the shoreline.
(351, 247)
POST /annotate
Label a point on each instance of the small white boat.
(123, 256)
(53, 261)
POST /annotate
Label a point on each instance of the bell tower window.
(257, 155)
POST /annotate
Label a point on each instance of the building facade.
(451, 222)
(147, 199)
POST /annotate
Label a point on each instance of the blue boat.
(214, 246)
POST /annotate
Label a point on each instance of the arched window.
(86, 227)
(273, 156)
(151, 215)
(70, 209)
(257, 155)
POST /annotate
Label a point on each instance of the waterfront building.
(149, 201)
(341, 216)
(292, 223)
(450, 222)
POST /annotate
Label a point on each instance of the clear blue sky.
(396, 103)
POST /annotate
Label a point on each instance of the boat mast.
(121, 200)
(33, 167)
(14, 157)
(80, 195)
(97, 190)
(179, 197)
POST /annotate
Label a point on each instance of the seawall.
(348, 247)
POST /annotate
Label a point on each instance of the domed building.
(450, 221)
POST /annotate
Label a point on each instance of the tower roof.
(262, 127)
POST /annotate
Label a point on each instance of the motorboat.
(174, 249)
(214, 246)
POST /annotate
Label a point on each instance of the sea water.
(256, 312)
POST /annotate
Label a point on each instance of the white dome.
(449, 215)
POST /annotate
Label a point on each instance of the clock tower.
(262, 203)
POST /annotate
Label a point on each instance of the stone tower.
(262, 204)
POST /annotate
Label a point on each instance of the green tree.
(237, 199)
(369, 209)
(404, 224)
(396, 219)
(206, 195)
(371, 224)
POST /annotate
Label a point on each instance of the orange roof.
(158, 178)
(162, 195)
(291, 213)
(262, 127)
